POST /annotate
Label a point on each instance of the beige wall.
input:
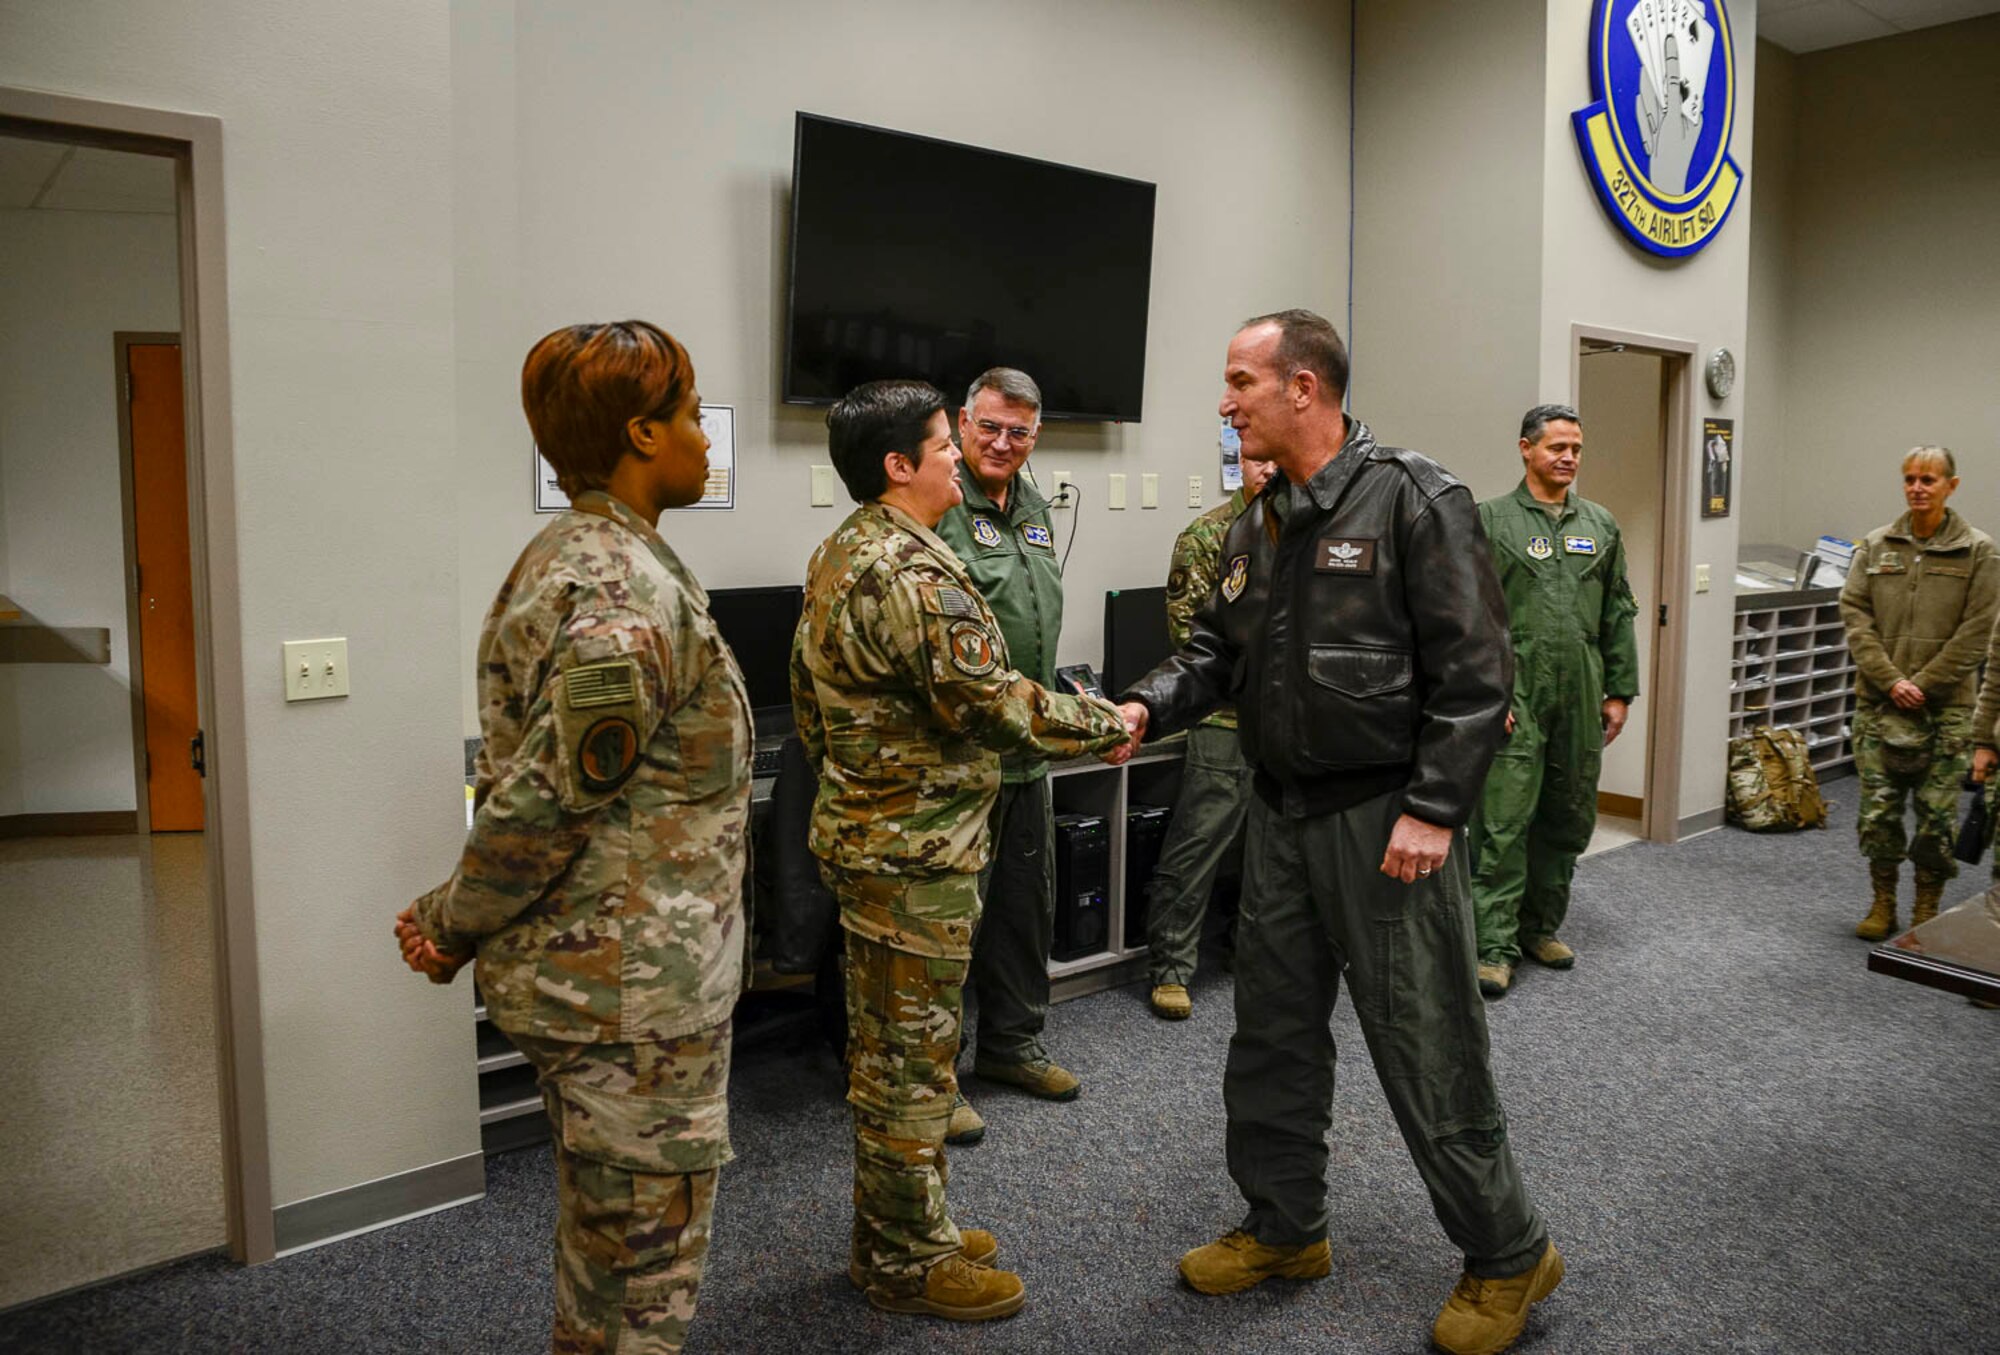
(1888, 308)
(1447, 279)
(678, 213)
(336, 135)
(68, 282)
(1592, 275)
(1764, 487)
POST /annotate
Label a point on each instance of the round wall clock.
(1721, 373)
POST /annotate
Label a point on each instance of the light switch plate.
(822, 487)
(1149, 490)
(1701, 578)
(315, 669)
(1194, 491)
(1115, 496)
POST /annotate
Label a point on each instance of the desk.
(1958, 950)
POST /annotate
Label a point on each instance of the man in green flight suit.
(1003, 534)
(905, 697)
(1562, 565)
(1214, 798)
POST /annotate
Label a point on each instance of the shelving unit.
(1789, 668)
(1087, 786)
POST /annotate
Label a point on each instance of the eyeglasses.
(990, 431)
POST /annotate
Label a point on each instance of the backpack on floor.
(1772, 788)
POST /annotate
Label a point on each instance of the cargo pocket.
(1429, 1035)
(671, 1134)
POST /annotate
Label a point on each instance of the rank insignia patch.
(1580, 545)
(1539, 548)
(1237, 575)
(1037, 536)
(984, 532)
(607, 754)
(971, 650)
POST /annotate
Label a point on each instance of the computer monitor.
(1135, 635)
(758, 624)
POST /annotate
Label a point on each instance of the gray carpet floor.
(1741, 1140)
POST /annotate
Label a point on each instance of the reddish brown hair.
(582, 384)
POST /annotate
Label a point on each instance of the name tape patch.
(1580, 545)
(1037, 536)
(1341, 555)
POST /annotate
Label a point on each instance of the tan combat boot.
(1236, 1261)
(966, 1125)
(975, 1244)
(1881, 919)
(1495, 976)
(1485, 1316)
(1171, 1000)
(1043, 1077)
(957, 1289)
(1930, 888)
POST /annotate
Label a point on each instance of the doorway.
(128, 1127)
(1632, 391)
(167, 737)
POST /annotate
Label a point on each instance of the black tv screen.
(1135, 635)
(920, 258)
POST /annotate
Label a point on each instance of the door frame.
(121, 341)
(1660, 816)
(194, 143)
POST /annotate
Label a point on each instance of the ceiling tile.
(98, 180)
(1913, 14)
(1827, 23)
(24, 167)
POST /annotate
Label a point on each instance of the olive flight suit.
(1570, 609)
(1011, 555)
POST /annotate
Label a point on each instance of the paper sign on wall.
(718, 421)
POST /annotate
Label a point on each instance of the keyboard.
(764, 761)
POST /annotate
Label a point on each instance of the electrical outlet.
(822, 486)
(1062, 480)
(1149, 490)
(1114, 497)
(1194, 491)
(1701, 578)
(315, 669)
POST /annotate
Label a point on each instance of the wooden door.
(165, 585)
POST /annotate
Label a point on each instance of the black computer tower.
(1083, 886)
(1145, 834)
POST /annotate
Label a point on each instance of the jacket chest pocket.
(707, 741)
(1361, 709)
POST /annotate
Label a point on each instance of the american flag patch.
(600, 684)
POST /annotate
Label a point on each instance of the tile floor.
(110, 1135)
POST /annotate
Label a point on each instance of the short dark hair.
(873, 420)
(1541, 416)
(583, 383)
(1308, 342)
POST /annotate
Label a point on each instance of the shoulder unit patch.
(1237, 575)
(984, 532)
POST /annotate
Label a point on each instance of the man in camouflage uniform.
(601, 886)
(904, 696)
(1215, 781)
(1002, 534)
(1561, 561)
(1919, 603)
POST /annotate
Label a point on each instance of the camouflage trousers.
(640, 1131)
(1929, 773)
(903, 1013)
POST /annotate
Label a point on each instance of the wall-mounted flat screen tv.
(913, 257)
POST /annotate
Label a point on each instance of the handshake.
(1135, 716)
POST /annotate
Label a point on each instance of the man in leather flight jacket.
(1359, 627)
